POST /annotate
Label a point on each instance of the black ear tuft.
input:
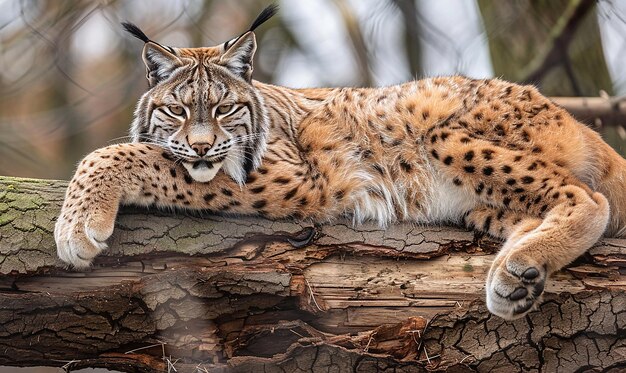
(266, 14)
(135, 31)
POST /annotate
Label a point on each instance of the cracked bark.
(248, 294)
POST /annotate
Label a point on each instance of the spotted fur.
(495, 156)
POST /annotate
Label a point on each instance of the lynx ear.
(160, 62)
(239, 52)
(238, 57)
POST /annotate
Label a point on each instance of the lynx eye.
(224, 109)
(177, 110)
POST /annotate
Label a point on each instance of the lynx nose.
(201, 148)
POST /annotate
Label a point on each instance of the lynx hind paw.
(79, 240)
(515, 288)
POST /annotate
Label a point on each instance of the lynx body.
(495, 156)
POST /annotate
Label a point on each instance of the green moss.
(24, 202)
(14, 204)
(10, 180)
(7, 217)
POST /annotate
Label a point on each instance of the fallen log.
(220, 294)
(597, 112)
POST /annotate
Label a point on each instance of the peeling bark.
(247, 295)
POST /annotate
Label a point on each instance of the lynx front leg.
(141, 174)
(91, 203)
(517, 276)
(123, 174)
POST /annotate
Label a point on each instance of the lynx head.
(202, 106)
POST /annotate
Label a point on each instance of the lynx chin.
(494, 156)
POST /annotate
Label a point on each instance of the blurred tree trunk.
(359, 46)
(554, 44)
(408, 8)
(62, 84)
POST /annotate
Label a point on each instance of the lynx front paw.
(514, 287)
(80, 233)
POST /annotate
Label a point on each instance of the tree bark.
(191, 293)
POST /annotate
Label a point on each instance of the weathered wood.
(248, 294)
(596, 111)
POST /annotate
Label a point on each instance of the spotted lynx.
(495, 156)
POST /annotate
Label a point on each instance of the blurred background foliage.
(70, 77)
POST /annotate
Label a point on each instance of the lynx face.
(202, 108)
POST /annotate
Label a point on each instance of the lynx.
(495, 156)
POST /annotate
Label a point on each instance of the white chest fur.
(445, 202)
(386, 201)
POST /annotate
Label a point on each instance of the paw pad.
(523, 308)
(538, 288)
(530, 274)
(518, 294)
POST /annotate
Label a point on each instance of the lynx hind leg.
(561, 217)
(517, 276)
(500, 223)
(536, 247)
